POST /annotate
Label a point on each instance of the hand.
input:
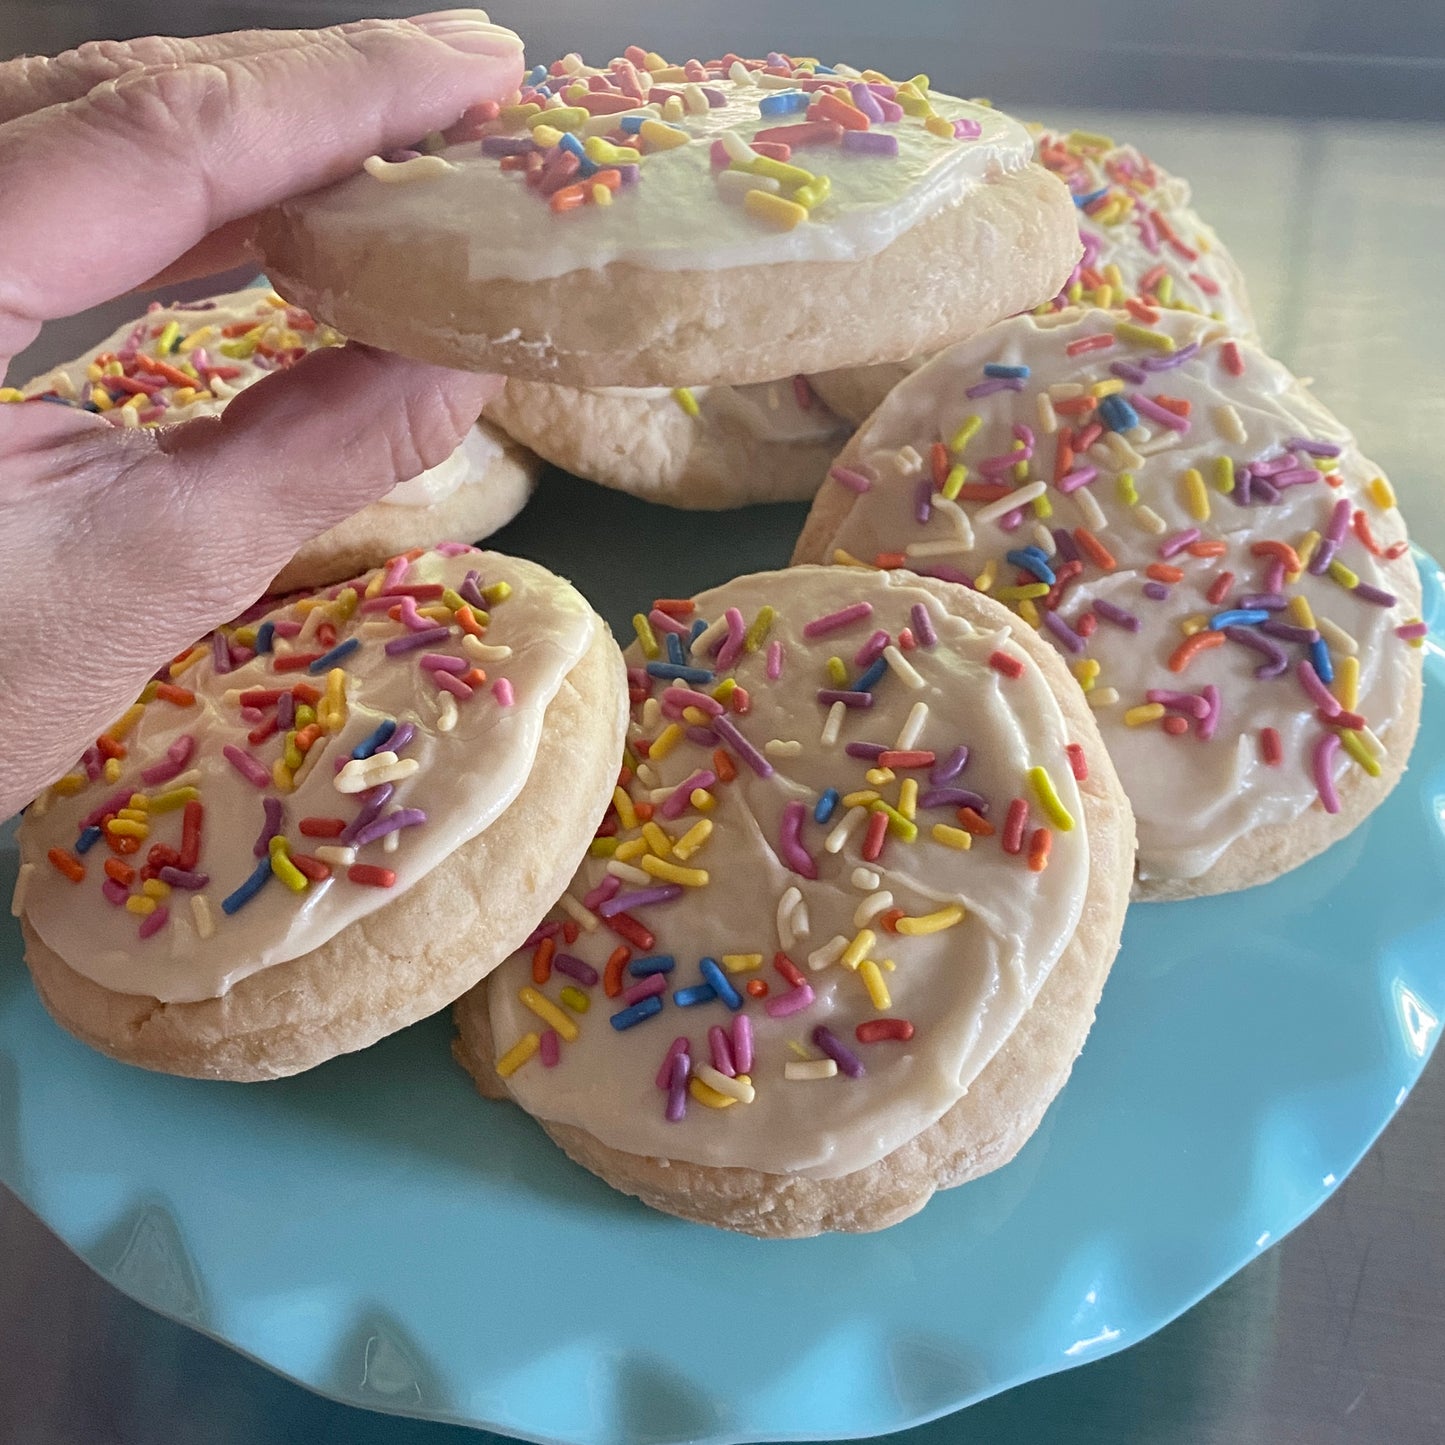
(127, 163)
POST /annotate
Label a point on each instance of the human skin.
(125, 165)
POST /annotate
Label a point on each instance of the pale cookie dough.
(1145, 247)
(1225, 573)
(703, 447)
(851, 955)
(616, 227)
(212, 893)
(189, 359)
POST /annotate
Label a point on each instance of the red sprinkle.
(371, 875)
(789, 970)
(322, 827)
(313, 868)
(1270, 748)
(876, 1031)
(1233, 361)
(612, 974)
(295, 662)
(873, 838)
(888, 919)
(542, 961)
(570, 931)
(1014, 825)
(1102, 342)
(625, 926)
(1009, 666)
(1078, 764)
(1219, 589)
(915, 759)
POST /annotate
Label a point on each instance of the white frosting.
(467, 776)
(964, 988)
(274, 325)
(1193, 798)
(674, 218)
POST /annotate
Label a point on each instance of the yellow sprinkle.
(1024, 592)
(168, 337)
(291, 752)
(702, 800)
(696, 717)
(601, 847)
(686, 400)
(148, 692)
(1147, 712)
(1087, 671)
(563, 117)
(837, 673)
(282, 776)
(814, 193)
(1043, 508)
(154, 888)
(1143, 336)
(1112, 387)
(936, 125)
(984, 581)
(633, 848)
(879, 777)
(657, 840)
(548, 1012)
(965, 433)
(126, 721)
(725, 689)
(953, 482)
(604, 153)
(1196, 622)
(126, 828)
(1381, 493)
(757, 633)
(931, 922)
(1342, 574)
(646, 637)
(908, 797)
(139, 800)
(784, 215)
(1306, 548)
(847, 559)
(138, 903)
(872, 977)
(111, 770)
(518, 1055)
(1354, 745)
(859, 949)
(100, 399)
(1224, 474)
(898, 825)
(665, 741)
(693, 839)
(1347, 682)
(1299, 607)
(1124, 486)
(657, 136)
(708, 1096)
(1043, 786)
(496, 592)
(135, 815)
(741, 962)
(672, 873)
(70, 784)
(1196, 496)
(860, 799)
(285, 869)
(575, 999)
(958, 838)
(11, 393)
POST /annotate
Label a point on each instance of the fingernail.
(469, 31)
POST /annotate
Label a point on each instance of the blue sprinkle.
(672, 672)
(87, 840)
(330, 659)
(698, 628)
(698, 993)
(1032, 560)
(265, 634)
(1082, 201)
(639, 1012)
(250, 888)
(673, 643)
(536, 75)
(1116, 413)
(826, 70)
(545, 92)
(784, 102)
(721, 984)
(997, 368)
(825, 807)
(368, 746)
(871, 678)
(631, 124)
(1320, 658)
(653, 963)
(1239, 617)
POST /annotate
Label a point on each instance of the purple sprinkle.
(715, 98)
(848, 1062)
(647, 988)
(965, 129)
(220, 653)
(184, 878)
(470, 591)
(1155, 591)
(1063, 632)
(1117, 615)
(286, 711)
(993, 384)
(1169, 362)
(953, 798)
(677, 1088)
(115, 892)
(401, 737)
(549, 929)
(870, 142)
(401, 818)
(1264, 490)
(745, 750)
(871, 650)
(113, 804)
(1314, 448)
(703, 737)
(1173, 546)
(1272, 466)
(1129, 372)
(742, 1043)
(507, 145)
(1147, 406)
(923, 501)
(414, 640)
(1288, 632)
(922, 625)
(1067, 548)
(443, 662)
(629, 173)
(643, 898)
(1339, 522)
(1377, 595)
(606, 889)
(1268, 601)
(950, 767)
(370, 809)
(866, 101)
(1190, 702)
(829, 695)
(871, 751)
(274, 824)
(1277, 662)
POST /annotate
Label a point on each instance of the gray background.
(1313, 135)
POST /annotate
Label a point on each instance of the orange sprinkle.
(570, 931)
(307, 736)
(1140, 311)
(643, 811)
(1183, 655)
(889, 561)
(66, 862)
(569, 198)
(675, 606)
(123, 873)
(612, 974)
(326, 634)
(975, 823)
(888, 919)
(1176, 404)
(1096, 551)
(474, 677)
(1207, 549)
(723, 765)
(1163, 572)
(1361, 525)
(1175, 725)
(304, 692)
(542, 960)
(1076, 405)
(758, 987)
(1219, 589)
(1039, 846)
(1064, 456)
(169, 692)
(108, 746)
(467, 620)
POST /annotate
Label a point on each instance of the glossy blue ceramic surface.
(377, 1232)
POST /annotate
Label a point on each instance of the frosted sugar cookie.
(701, 447)
(651, 224)
(188, 360)
(841, 934)
(322, 825)
(1146, 250)
(1201, 540)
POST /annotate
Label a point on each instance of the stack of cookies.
(800, 911)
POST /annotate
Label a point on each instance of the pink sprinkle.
(1173, 546)
(648, 987)
(177, 756)
(114, 892)
(602, 892)
(834, 621)
(661, 622)
(1190, 702)
(1412, 630)
(249, 715)
(732, 648)
(551, 1049)
(1210, 721)
(790, 842)
(502, 691)
(775, 661)
(794, 1001)
(664, 1074)
(1318, 693)
(112, 804)
(395, 573)
(871, 650)
(854, 481)
(802, 393)
(440, 662)
(453, 549)
(677, 800)
(411, 618)
(686, 697)
(742, 1043)
(154, 921)
(722, 1053)
(1011, 521)
(246, 765)
(453, 685)
(1324, 757)
(287, 628)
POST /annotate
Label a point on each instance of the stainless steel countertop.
(1335, 1337)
